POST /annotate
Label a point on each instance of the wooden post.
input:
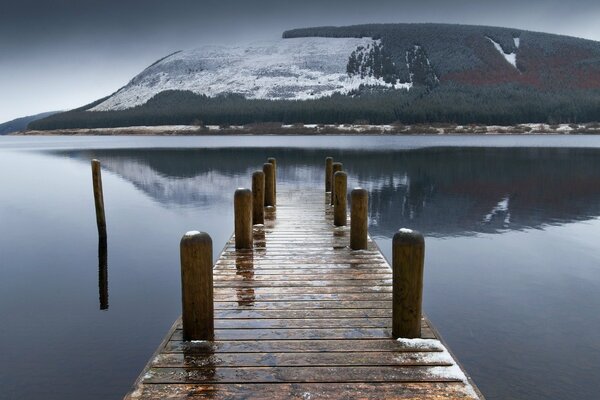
(359, 203)
(98, 198)
(273, 161)
(328, 173)
(243, 218)
(197, 286)
(408, 254)
(340, 181)
(258, 198)
(335, 167)
(269, 171)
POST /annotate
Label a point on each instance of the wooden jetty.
(300, 315)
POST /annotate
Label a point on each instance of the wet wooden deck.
(303, 317)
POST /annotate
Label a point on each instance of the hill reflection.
(440, 191)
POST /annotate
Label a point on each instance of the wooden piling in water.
(359, 205)
(340, 183)
(258, 198)
(273, 161)
(328, 173)
(408, 254)
(335, 167)
(99, 198)
(197, 286)
(243, 218)
(269, 170)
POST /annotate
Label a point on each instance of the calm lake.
(512, 269)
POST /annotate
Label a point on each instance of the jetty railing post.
(335, 167)
(340, 183)
(408, 255)
(328, 173)
(99, 198)
(269, 170)
(273, 161)
(197, 286)
(242, 204)
(359, 205)
(258, 198)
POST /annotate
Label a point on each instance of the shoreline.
(265, 129)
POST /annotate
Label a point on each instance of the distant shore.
(320, 129)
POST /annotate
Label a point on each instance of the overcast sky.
(61, 54)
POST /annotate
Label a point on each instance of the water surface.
(512, 263)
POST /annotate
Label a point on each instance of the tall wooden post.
(273, 161)
(359, 203)
(99, 198)
(269, 171)
(197, 286)
(258, 198)
(243, 218)
(340, 183)
(328, 173)
(408, 254)
(335, 167)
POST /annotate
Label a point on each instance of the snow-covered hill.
(290, 69)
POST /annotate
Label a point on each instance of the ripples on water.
(512, 266)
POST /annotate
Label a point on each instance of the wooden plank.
(306, 391)
(236, 374)
(294, 346)
(273, 313)
(314, 306)
(180, 360)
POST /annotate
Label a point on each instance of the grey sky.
(62, 54)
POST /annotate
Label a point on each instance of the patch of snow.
(510, 57)
(421, 343)
(192, 233)
(453, 372)
(501, 207)
(405, 230)
(286, 69)
(517, 42)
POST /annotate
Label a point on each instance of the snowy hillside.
(286, 69)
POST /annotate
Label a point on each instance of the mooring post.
(273, 161)
(408, 254)
(98, 198)
(197, 286)
(269, 170)
(258, 198)
(335, 167)
(340, 180)
(328, 173)
(359, 204)
(243, 218)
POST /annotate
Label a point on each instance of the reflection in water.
(103, 272)
(199, 365)
(440, 191)
(244, 265)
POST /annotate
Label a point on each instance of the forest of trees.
(503, 105)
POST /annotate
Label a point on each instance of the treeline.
(500, 105)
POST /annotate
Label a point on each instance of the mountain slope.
(378, 73)
(484, 55)
(20, 124)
